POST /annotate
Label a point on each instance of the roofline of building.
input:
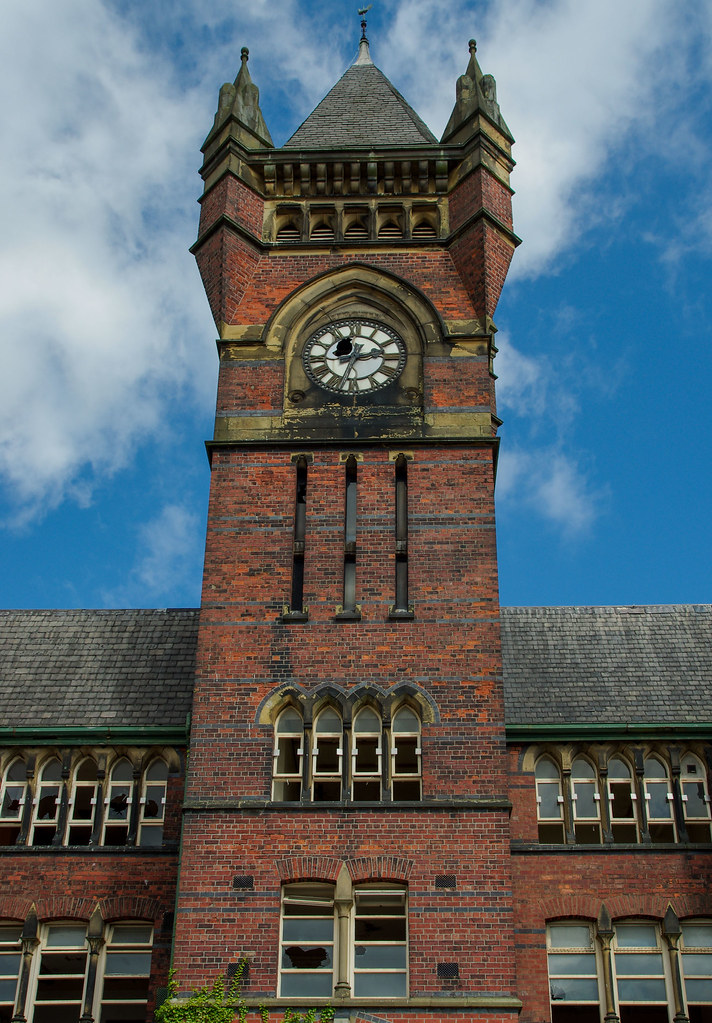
(125, 735)
(592, 732)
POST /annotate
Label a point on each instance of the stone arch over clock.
(353, 342)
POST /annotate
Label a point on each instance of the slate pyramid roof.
(362, 109)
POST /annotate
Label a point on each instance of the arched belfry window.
(586, 802)
(327, 755)
(622, 801)
(695, 799)
(117, 803)
(658, 801)
(46, 803)
(405, 755)
(366, 755)
(12, 801)
(153, 803)
(549, 801)
(288, 756)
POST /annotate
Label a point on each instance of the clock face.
(354, 356)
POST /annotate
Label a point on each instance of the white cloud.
(169, 550)
(551, 484)
(101, 313)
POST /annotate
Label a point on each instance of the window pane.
(574, 1013)
(10, 965)
(699, 990)
(380, 930)
(367, 721)
(131, 963)
(306, 957)
(308, 985)
(641, 990)
(158, 771)
(570, 989)
(52, 989)
(582, 769)
(132, 934)
(328, 721)
(122, 988)
(648, 965)
(697, 964)
(7, 988)
(697, 935)
(387, 985)
(379, 957)
(586, 805)
(636, 936)
(290, 723)
(569, 936)
(658, 804)
(406, 721)
(621, 800)
(56, 1014)
(695, 805)
(122, 1014)
(296, 929)
(572, 964)
(549, 805)
(10, 933)
(288, 755)
(54, 963)
(66, 936)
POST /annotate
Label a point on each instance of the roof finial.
(364, 54)
(363, 11)
(244, 55)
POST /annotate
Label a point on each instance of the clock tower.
(346, 812)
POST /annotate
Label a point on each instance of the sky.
(107, 348)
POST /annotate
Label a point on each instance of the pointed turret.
(475, 93)
(240, 102)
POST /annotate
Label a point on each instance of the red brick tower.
(346, 824)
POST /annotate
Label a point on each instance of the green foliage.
(209, 1004)
(222, 1003)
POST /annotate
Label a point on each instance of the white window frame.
(153, 825)
(323, 895)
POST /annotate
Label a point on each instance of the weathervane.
(363, 11)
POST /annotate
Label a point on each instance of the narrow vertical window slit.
(300, 524)
(401, 607)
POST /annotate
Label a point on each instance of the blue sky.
(107, 355)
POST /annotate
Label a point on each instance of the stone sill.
(416, 1002)
(89, 850)
(248, 805)
(535, 848)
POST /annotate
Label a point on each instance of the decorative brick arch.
(308, 868)
(379, 868)
(130, 907)
(14, 907)
(64, 907)
(621, 907)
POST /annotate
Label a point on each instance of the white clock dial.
(354, 356)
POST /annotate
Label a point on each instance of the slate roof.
(600, 665)
(362, 109)
(578, 665)
(95, 668)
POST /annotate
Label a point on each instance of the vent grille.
(445, 881)
(243, 882)
(390, 230)
(424, 230)
(448, 971)
(356, 231)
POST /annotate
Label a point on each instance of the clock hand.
(352, 359)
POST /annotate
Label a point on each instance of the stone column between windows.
(343, 902)
(671, 933)
(29, 943)
(95, 939)
(604, 933)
